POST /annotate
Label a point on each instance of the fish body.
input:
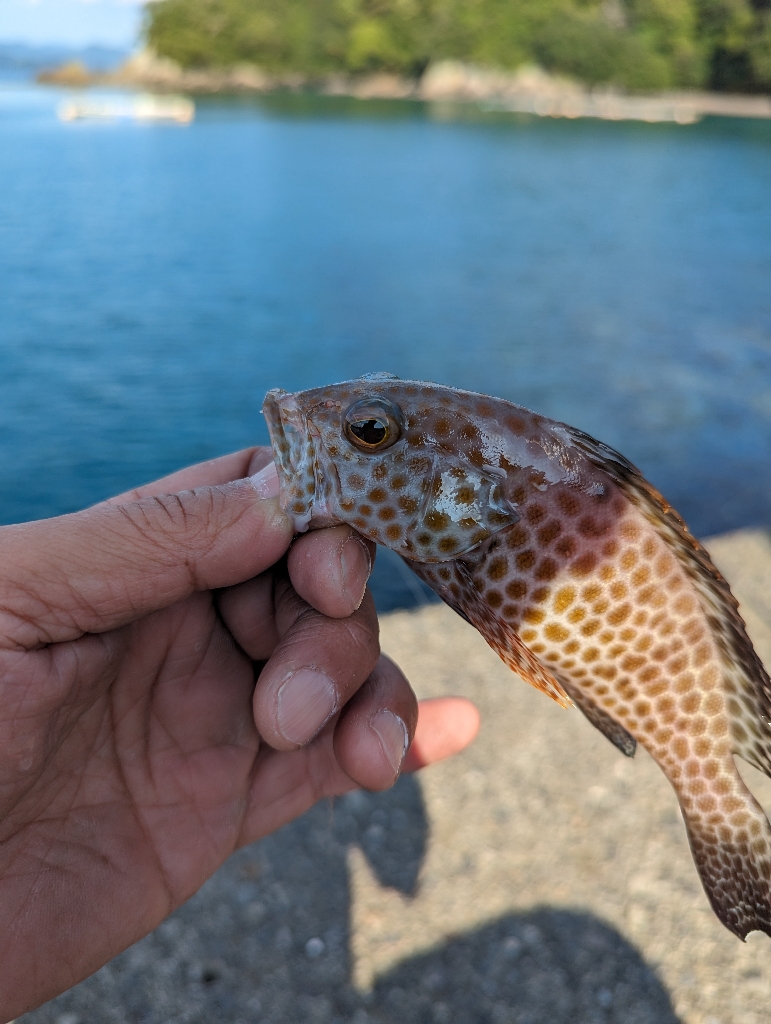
(575, 570)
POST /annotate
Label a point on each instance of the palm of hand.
(126, 788)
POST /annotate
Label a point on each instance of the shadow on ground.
(268, 940)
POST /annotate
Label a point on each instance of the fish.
(577, 572)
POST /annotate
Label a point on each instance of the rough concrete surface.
(539, 878)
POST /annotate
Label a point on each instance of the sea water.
(156, 281)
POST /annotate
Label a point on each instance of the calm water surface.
(156, 281)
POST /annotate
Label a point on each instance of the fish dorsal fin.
(743, 670)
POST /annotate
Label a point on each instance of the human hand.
(136, 751)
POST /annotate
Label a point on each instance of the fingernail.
(392, 733)
(356, 565)
(266, 481)
(307, 699)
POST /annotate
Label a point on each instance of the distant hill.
(23, 57)
(632, 44)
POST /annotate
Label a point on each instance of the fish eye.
(372, 425)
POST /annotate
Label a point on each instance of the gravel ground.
(539, 878)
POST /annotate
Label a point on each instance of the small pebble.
(314, 947)
(605, 998)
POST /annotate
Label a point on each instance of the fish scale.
(575, 570)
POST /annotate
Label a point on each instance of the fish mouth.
(293, 454)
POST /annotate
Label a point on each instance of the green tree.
(636, 44)
(760, 52)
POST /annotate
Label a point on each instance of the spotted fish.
(575, 570)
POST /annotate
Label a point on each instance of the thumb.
(106, 566)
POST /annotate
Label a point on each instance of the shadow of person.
(268, 939)
(544, 967)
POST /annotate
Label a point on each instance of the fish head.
(399, 461)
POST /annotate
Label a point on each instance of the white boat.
(146, 108)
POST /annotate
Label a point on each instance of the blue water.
(156, 281)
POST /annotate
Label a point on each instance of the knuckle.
(173, 519)
(362, 634)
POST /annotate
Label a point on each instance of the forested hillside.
(634, 44)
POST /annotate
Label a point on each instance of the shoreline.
(529, 90)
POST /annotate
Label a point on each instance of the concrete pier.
(538, 878)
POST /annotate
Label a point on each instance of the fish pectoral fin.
(496, 631)
(608, 726)
(510, 649)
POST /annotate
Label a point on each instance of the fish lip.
(290, 440)
(282, 455)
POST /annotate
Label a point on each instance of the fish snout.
(294, 456)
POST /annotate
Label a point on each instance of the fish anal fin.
(734, 860)
(608, 726)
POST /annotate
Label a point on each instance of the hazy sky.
(72, 22)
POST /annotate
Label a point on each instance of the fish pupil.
(369, 432)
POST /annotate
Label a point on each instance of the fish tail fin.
(730, 839)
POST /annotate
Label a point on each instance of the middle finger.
(329, 569)
(317, 666)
